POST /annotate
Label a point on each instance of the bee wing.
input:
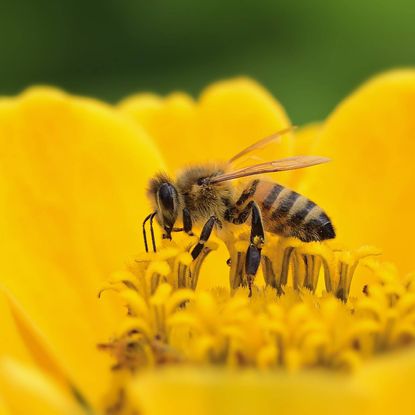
(261, 143)
(289, 163)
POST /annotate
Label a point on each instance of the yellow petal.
(38, 346)
(366, 189)
(380, 387)
(28, 391)
(171, 122)
(72, 177)
(391, 378)
(204, 392)
(305, 139)
(235, 113)
(11, 343)
(3, 408)
(229, 116)
(215, 271)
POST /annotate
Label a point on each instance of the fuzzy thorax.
(193, 192)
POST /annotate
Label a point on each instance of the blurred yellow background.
(308, 53)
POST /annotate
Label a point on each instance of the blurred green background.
(310, 54)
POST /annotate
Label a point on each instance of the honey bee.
(205, 195)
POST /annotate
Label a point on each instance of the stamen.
(237, 276)
(292, 322)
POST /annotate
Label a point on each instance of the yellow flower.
(73, 174)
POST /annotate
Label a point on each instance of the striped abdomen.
(288, 213)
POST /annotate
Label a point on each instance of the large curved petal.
(389, 379)
(380, 387)
(304, 144)
(72, 178)
(3, 408)
(237, 112)
(204, 392)
(11, 343)
(367, 188)
(228, 116)
(26, 390)
(171, 122)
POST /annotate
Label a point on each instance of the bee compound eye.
(166, 194)
(201, 181)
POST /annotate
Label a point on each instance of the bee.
(206, 196)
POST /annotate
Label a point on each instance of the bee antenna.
(153, 239)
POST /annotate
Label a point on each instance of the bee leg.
(252, 261)
(242, 215)
(153, 239)
(257, 239)
(230, 214)
(187, 222)
(144, 231)
(204, 236)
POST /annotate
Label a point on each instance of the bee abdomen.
(293, 215)
(317, 229)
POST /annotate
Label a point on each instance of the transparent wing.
(289, 163)
(261, 143)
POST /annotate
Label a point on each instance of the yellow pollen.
(289, 322)
(300, 317)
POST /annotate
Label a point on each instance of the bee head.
(164, 197)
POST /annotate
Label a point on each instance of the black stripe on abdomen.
(272, 196)
(309, 223)
(284, 206)
(318, 229)
(297, 219)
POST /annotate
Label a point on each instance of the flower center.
(300, 318)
